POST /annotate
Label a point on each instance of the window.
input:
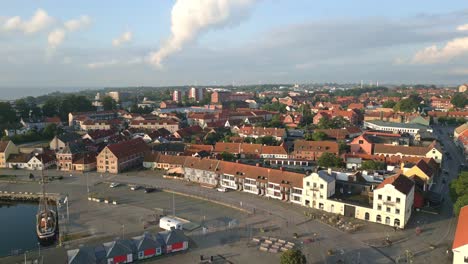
(397, 211)
(321, 186)
(389, 198)
(378, 218)
(307, 183)
(361, 141)
(388, 209)
(398, 200)
(380, 197)
(379, 207)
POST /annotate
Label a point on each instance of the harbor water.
(17, 228)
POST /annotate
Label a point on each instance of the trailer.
(167, 223)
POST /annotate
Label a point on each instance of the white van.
(167, 223)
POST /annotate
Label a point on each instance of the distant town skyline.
(159, 43)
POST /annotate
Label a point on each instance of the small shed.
(173, 240)
(147, 246)
(120, 251)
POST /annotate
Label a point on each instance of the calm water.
(17, 227)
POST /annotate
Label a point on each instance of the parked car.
(135, 187)
(114, 184)
(222, 189)
(149, 190)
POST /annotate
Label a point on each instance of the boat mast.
(44, 198)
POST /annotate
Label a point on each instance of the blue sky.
(120, 43)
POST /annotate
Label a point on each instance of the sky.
(87, 43)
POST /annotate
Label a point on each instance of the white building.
(409, 128)
(460, 242)
(392, 199)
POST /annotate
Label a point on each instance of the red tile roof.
(461, 233)
(127, 148)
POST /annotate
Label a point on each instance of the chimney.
(281, 168)
(258, 164)
(237, 161)
(329, 171)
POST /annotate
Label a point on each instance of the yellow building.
(6, 149)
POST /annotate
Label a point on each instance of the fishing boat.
(46, 218)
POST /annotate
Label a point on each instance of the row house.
(248, 150)
(341, 133)
(7, 148)
(98, 136)
(349, 115)
(169, 124)
(443, 104)
(277, 184)
(202, 171)
(312, 150)
(278, 134)
(201, 119)
(74, 117)
(163, 162)
(365, 142)
(218, 97)
(432, 151)
(112, 124)
(450, 114)
(121, 156)
(31, 161)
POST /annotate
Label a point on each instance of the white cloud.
(462, 27)
(75, 24)
(56, 37)
(102, 64)
(190, 18)
(125, 37)
(39, 21)
(431, 55)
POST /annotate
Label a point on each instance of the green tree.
(407, 105)
(51, 107)
(459, 100)
(461, 201)
(319, 136)
(227, 156)
(108, 103)
(389, 104)
(373, 165)
(266, 140)
(275, 106)
(459, 191)
(7, 114)
(330, 160)
(293, 256)
(51, 130)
